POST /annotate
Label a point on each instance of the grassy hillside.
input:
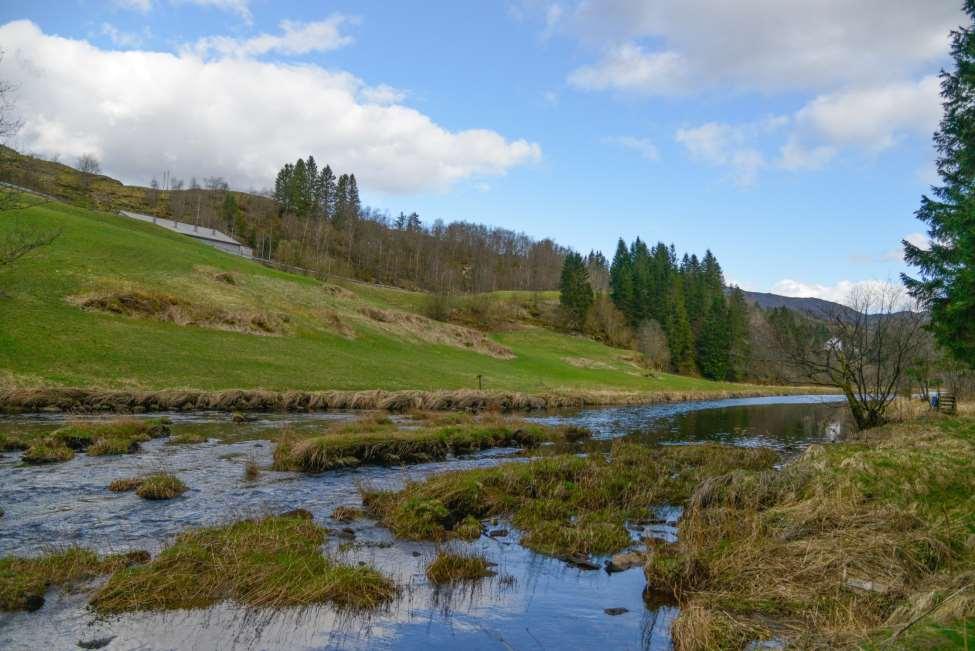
(115, 303)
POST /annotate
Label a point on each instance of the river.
(534, 602)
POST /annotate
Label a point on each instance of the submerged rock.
(96, 643)
(624, 561)
(304, 514)
(580, 561)
(613, 612)
(498, 533)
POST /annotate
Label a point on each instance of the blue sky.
(791, 138)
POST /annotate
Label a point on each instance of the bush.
(651, 343)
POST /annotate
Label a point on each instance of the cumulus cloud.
(642, 146)
(764, 45)
(727, 146)
(295, 38)
(239, 7)
(629, 67)
(142, 112)
(841, 292)
(873, 117)
(122, 38)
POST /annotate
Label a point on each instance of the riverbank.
(867, 543)
(95, 400)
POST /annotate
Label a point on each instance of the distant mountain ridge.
(816, 307)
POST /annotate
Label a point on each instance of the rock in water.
(613, 612)
(96, 643)
(624, 561)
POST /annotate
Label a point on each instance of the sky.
(790, 137)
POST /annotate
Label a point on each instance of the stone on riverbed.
(624, 561)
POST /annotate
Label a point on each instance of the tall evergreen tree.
(621, 288)
(714, 342)
(947, 278)
(739, 343)
(326, 193)
(679, 334)
(575, 292)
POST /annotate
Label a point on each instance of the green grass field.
(326, 337)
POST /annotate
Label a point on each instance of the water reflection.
(533, 602)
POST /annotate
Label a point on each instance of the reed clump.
(347, 513)
(564, 504)
(272, 562)
(23, 581)
(187, 438)
(843, 547)
(452, 567)
(382, 443)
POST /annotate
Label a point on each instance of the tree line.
(681, 304)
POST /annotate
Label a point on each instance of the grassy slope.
(46, 340)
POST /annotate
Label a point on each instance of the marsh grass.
(347, 513)
(380, 442)
(187, 438)
(272, 562)
(23, 581)
(846, 543)
(160, 486)
(564, 504)
(47, 451)
(452, 567)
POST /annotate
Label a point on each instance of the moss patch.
(47, 452)
(271, 562)
(564, 504)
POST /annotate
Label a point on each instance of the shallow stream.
(534, 602)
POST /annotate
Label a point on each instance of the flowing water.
(534, 602)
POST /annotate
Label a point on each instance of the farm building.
(209, 236)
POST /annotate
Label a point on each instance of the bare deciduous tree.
(651, 342)
(88, 164)
(863, 350)
(9, 122)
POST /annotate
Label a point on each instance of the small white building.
(211, 236)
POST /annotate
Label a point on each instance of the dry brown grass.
(20, 399)
(845, 542)
(166, 307)
(435, 332)
(155, 486)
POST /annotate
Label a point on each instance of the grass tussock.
(23, 581)
(451, 567)
(160, 486)
(846, 544)
(272, 562)
(380, 442)
(565, 504)
(165, 307)
(47, 451)
(251, 470)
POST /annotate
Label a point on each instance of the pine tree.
(575, 292)
(355, 206)
(739, 342)
(340, 215)
(947, 270)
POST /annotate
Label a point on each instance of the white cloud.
(382, 94)
(840, 292)
(295, 38)
(143, 112)
(138, 5)
(628, 67)
(873, 117)
(642, 146)
(239, 7)
(763, 45)
(122, 38)
(724, 145)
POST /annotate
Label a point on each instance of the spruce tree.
(739, 342)
(621, 282)
(947, 270)
(678, 329)
(575, 292)
(714, 344)
(327, 193)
